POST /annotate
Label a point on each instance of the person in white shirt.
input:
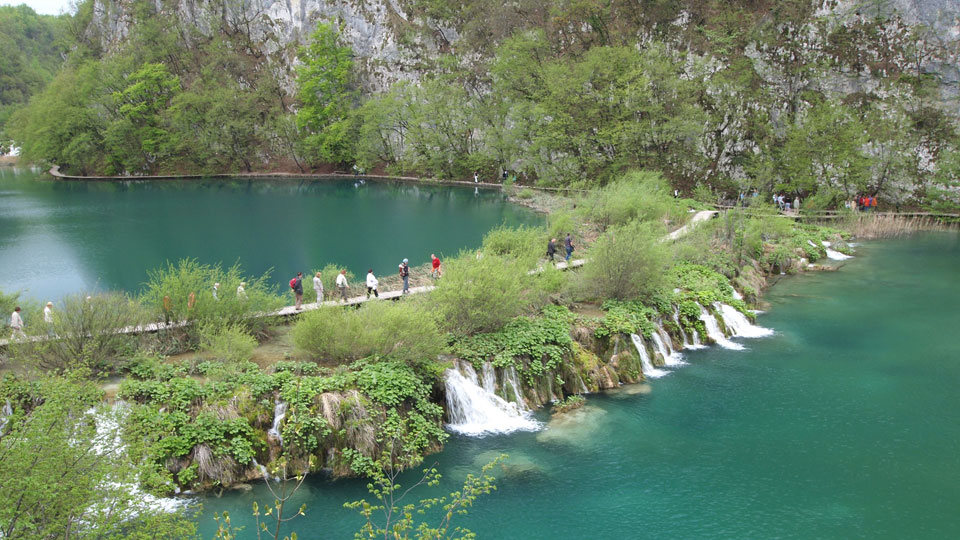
(48, 317)
(16, 323)
(342, 284)
(318, 287)
(241, 292)
(372, 284)
(216, 289)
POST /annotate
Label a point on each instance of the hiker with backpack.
(297, 285)
(568, 246)
(404, 271)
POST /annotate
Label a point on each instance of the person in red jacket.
(435, 262)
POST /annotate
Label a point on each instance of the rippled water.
(844, 424)
(58, 238)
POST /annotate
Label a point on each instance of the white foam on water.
(648, 369)
(714, 332)
(738, 323)
(837, 256)
(476, 412)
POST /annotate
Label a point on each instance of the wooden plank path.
(357, 300)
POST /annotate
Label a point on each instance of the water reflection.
(63, 237)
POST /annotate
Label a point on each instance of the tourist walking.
(405, 275)
(568, 246)
(241, 291)
(216, 289)
(16, 324)
(342, 285)
(48, 317)
(796, 203)
(551, 248)
(318, 288)
(372, 284)
(435, 264)
(476, 178)
(297, 285)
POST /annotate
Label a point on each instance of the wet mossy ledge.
(230, 399)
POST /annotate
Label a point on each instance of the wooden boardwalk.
(289, 311)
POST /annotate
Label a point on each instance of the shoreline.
(55, 172)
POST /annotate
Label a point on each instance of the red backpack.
(293, 283)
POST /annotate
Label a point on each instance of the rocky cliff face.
(386, 46)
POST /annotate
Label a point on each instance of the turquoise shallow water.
(845, 424)
(59, 238)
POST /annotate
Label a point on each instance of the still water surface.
(843, 425)
(59, 238)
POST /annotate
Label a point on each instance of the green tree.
(324, 86)
(65, 474)
(138, 140)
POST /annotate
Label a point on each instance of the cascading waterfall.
(475, 411)
(510, 377)
(672, 358)
(5, 413)
(645, 363)
(738, 324)
(109, 442)
(714, 332)
(687, 344)
(279, 412)
(832, 254)
(737, 295)
(489, 377)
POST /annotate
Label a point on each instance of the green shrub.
(521, 243)
(640, 195)
(178, 281)
(525, 193)
(404, 331)
(87, 334)
(626, 262)
(328, 275)
(480, 294)
(225, 341)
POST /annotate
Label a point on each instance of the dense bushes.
(404, 331)
(480, 294)
(640, 195)
(626, 262)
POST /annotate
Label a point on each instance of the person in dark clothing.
(405, 274)
(298, 289)
(568, 246)
(551, 248)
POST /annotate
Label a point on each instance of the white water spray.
(714, 332)
(739, 325)
(672, 358)
(489, 377)
(279, 412)
(837, 256)
(648, 369)
(475, 411)
(510, 377)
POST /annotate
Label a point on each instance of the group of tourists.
(863, 203)
(567, 247)
(784, 204)
(343, 286)
(17, 324)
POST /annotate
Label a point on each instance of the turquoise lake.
(844, 424)
(60, 238)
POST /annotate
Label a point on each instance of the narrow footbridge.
(357, 300)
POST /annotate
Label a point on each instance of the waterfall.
(279, 412)
(5, 413)
(475, 411)
(263, 471)
(737, 295)
(739, 325)
(695, 344)
(714, 332)
(510, 377)
(836, 255)
(672, 358)
(648, 369)
(489, 378)
(583, 385)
